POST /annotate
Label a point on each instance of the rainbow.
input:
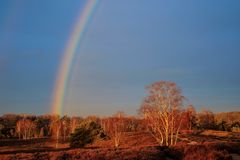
(68, 56)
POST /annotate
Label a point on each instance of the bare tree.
(65, 123)
(192, 116)
(114, 127)
(162, 111)
(74, 122)
(118, 127)
(206, 120)
(189, 118)
(55, 127)
(25, 128)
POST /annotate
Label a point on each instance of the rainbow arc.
(68, 56)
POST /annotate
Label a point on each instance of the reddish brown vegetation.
(139, 145)
(162, 111)
(164, 122)
(186, 152)
(210, 151)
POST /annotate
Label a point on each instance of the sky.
(126, 46)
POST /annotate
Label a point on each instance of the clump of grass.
(41, 156)
(64, 156)
(169, 152)
(210, 151)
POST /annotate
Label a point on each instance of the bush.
(87, 132)
(169, 152)
(216, 151)
(64, 156)
(41, 156)
(218, 155)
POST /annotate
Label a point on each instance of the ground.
(133, 146)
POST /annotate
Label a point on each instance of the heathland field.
(139, 145)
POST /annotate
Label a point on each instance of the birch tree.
(74, 122)
(161, 110)
(55, 127)
(65, 122)
(25, 128)
(118, 127)
(114, 127)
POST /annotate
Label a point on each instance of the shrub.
(87, 132)
(217, 151)
(64, 156)
(218, 155)
(169, 152)
(41, 156)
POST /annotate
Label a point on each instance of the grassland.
(198, 145)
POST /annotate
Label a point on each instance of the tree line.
(162, 114)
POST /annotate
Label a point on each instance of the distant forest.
(162, 114)
(36, 126)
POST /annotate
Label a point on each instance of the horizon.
(125, 46)
(100, 116)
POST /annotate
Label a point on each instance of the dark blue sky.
(126, 46)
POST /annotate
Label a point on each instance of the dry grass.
(209, 136)
(13, 146)
(133, 146)
(216, 133)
